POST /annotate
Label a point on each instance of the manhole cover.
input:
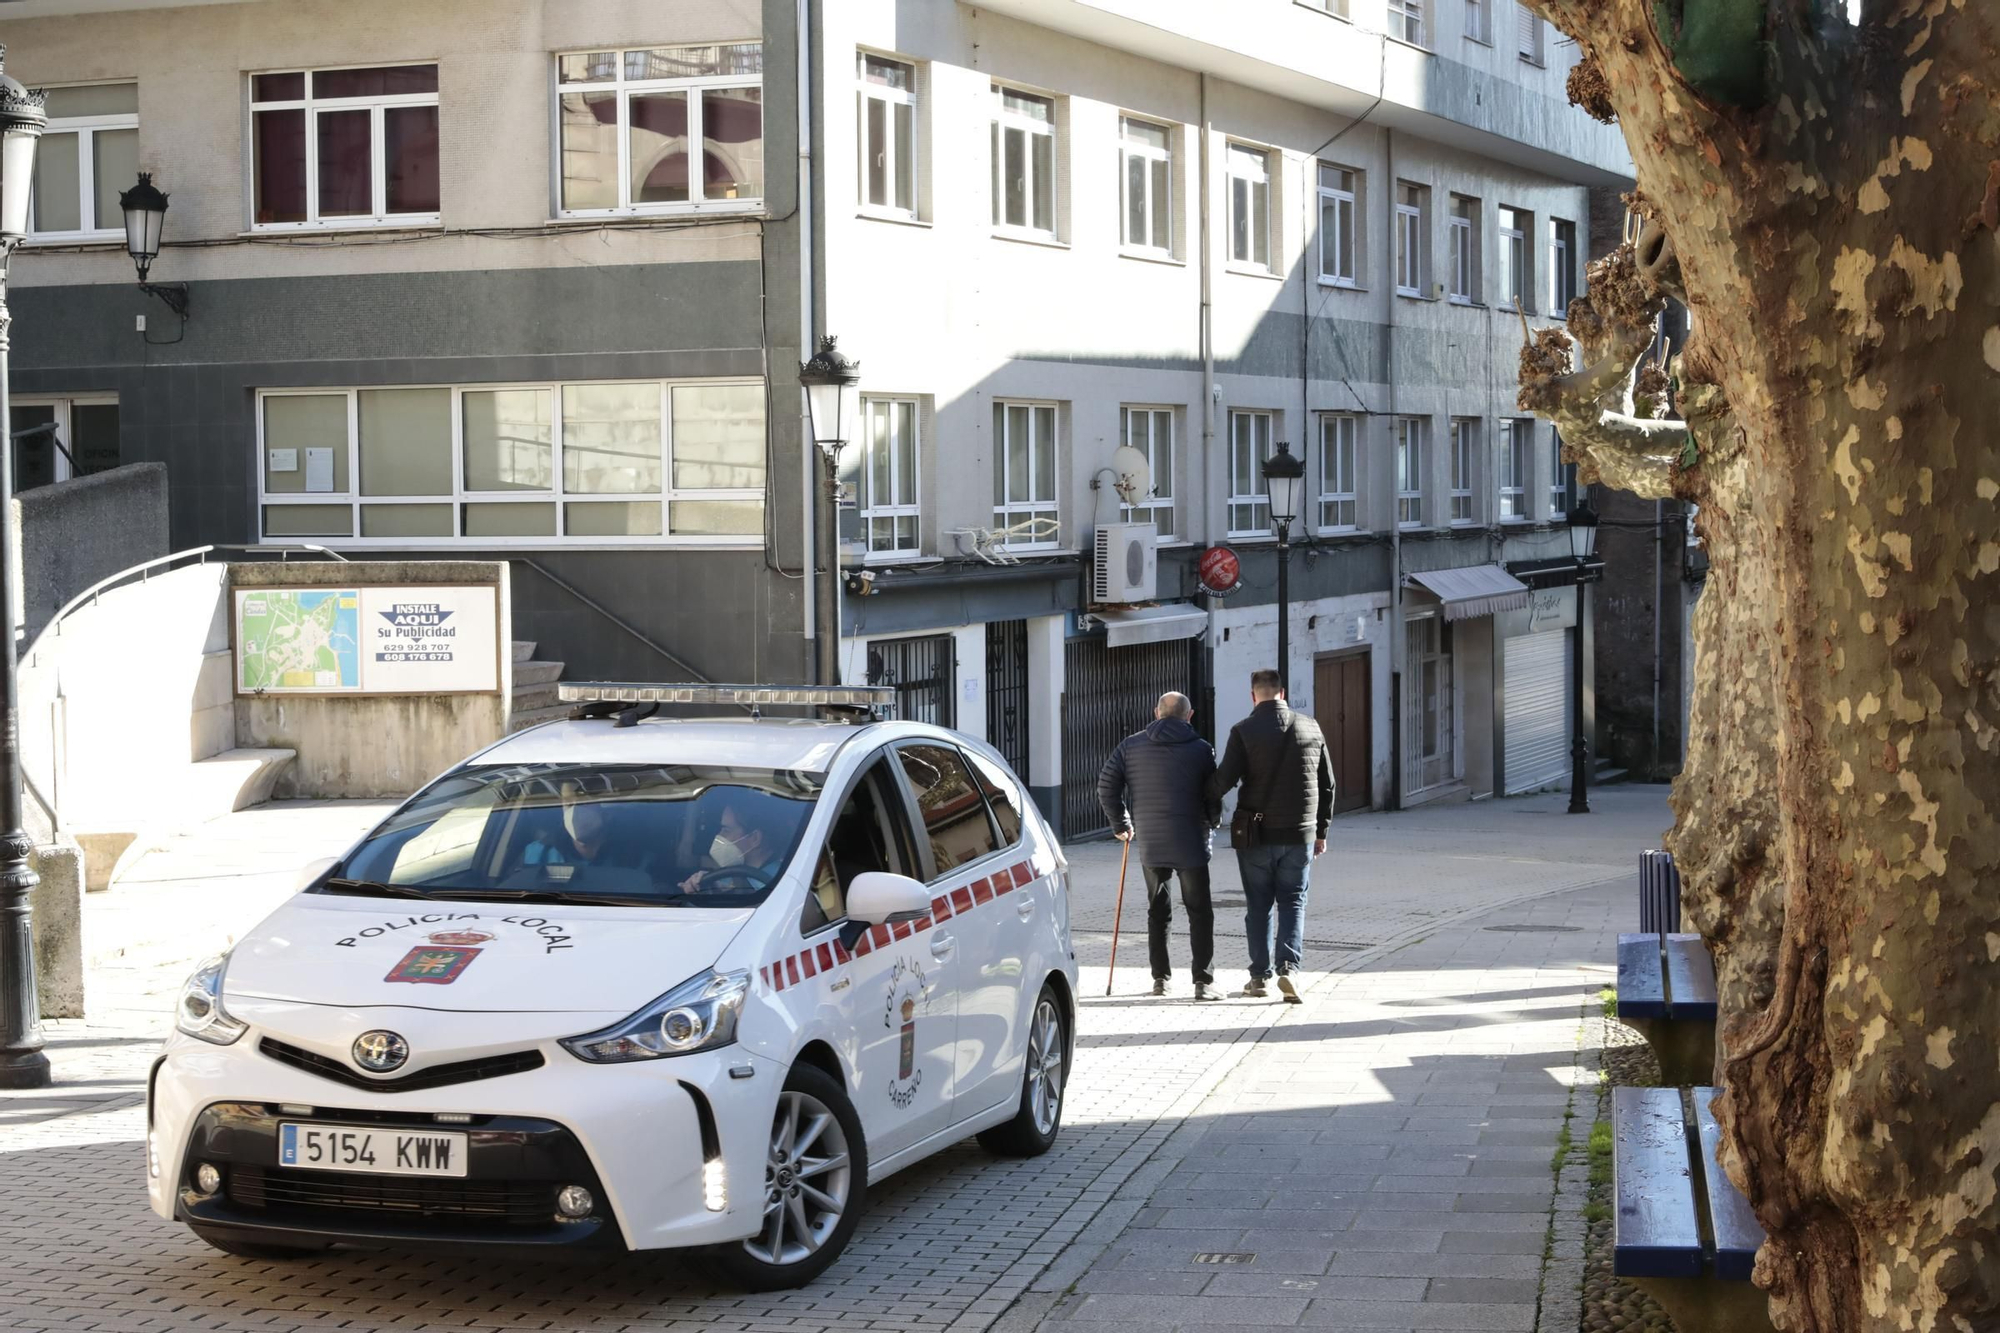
(1522, 928)
(1215, 1258)
(1345, 946)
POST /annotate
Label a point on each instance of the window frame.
(462, 495)
(892, 162)
(1257, 498)
(1463, 229)
(86, 129)
(1562, 266)
(1127, 150)
(1005, 512)
(1408, 22)
(63, 415)
(1479, 21)
(1339, 461)
(1464, 457)
(624, 89)
(1517, 438)
(1145, 510)
(920, 828)
(898, 507)
(1412, 259)
(1411, 437)
(1517, 275)
(1530, 39)
(1004, 121)
(1237, 152)
(313, 107)
(1561, 479)
(1343, 200)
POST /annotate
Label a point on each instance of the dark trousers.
(1160, 914)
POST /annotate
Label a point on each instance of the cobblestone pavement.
(962, 1239)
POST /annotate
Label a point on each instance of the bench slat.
(1737, 1231)
(1654, 1232)
(1690, 979)
(1642, 989)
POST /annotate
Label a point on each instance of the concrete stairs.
(534, 700)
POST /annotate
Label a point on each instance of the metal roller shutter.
(1535, 724)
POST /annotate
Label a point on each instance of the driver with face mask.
(741, 855)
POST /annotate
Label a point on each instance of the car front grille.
(437, 1076)
(489, 1202)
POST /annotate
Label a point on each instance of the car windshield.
(671, 835)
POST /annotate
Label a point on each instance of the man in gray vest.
(1280, 824)
(1153, 790)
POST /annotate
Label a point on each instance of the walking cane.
(1118, 914)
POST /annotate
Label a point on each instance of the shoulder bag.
(1246, 826)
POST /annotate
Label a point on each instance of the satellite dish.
(1135, 475)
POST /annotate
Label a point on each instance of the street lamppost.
(145, 209)
(1284, 483)
(22, 1064)
(1582, 545)
(833, 400)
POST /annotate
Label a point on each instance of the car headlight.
(200, 1013)
(696, 1015)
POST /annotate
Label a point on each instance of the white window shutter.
(1530, 34)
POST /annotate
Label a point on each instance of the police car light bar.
(877, 699)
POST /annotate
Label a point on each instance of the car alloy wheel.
(1045, 1066)
(806, 1181)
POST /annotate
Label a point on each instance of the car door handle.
(1025, 908)
(942, 945)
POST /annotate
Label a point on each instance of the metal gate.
(921, 671)
(1535, 713)
(1007, 692)
(1109, 693)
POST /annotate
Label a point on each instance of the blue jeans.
(1275, 876)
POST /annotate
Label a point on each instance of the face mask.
(724, 852)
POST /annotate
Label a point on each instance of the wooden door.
(1340, 706)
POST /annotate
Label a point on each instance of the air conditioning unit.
(1126, 564)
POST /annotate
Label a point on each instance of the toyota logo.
(380, 1052)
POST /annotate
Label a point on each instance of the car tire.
(802, 1236)
(244, 1249)
(1038, 1120)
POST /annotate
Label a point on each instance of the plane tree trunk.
(1826, 198)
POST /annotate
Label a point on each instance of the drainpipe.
(808, 497)
(1397, 702)
(1659, 538)
(1205, 331)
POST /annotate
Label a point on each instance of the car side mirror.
(311, 872)
(877, 898)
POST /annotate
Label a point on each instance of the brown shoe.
(1287, 989)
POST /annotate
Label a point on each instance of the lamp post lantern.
(145, 209)
(22, 1064)
(1284, 483)
(833, 402)
(1582, 545)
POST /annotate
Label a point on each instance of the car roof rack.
(627, 702)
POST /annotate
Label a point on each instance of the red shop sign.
(1221, 572)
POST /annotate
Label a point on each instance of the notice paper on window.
(319, 469)
(283, 460)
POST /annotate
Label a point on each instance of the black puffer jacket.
(1298, 778)
(1156, 780)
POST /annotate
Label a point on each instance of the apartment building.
(467, 278)
(1049, 228)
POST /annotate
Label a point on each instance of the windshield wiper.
(372, 888)
(542, 896)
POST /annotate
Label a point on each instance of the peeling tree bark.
(1833, 202)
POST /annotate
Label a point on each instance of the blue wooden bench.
(1666, 989)
(1682, 1232)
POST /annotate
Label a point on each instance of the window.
(1410, 471)
(1249, 206)
(1562, 265)
(888, 133)
(1406, 21)
(1464, 457)
(1024, 473)
(1338, 511)
(1339, 221)
(871, 832)
(952, 806)
(344, 147)
(1150, 430)
(547, 464)
(632, 123)
(1146, 182)
(1024, 161)
(1515, 227)
(884, 475)
(88, 154)
(1530, 29)
(1337, 8)
(1410, 238)
(1464, 249)
(1003, 797)
(1479, 20)
(1249, 446)
(1562, 477)
(1515, 437)
(56, 439)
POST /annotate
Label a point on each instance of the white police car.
(635, 983)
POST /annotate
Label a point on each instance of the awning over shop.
(1476, 590)
(1124, 626)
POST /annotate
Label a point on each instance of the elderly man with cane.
(1154, 792)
